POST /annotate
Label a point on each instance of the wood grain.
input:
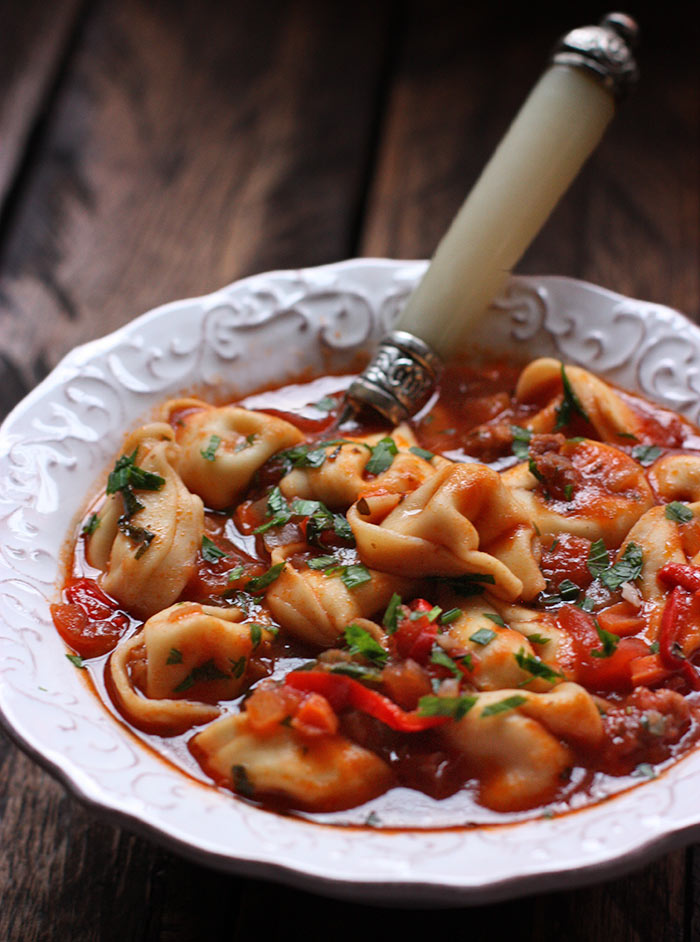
(167, 147)
(34, 39)
(629, 222)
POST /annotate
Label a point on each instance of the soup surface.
(489, 613)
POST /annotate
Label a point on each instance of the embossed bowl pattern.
(267, 330)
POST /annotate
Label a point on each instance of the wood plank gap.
(395, 38)
(24, 152)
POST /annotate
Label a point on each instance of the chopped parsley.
(323, 562)
(538, 639)
(443, 659)
(382, 456)
(470, 583)
(237, 667)
(502, 706)
(258, 583)
(126, 473)
(609, 642)
(570, 404)
(235, 573)
(678, 512)
(449, 616)
(536, 667)
(241, 782)
(626, 569)
(355, 575)
(327, 404)
(139, 535)
(245, 443)
(356, 671)
(308, 456)
(598, 559)
(455, 707)
(255, 634)
(644, 770)
(209, 453)
(202, 674)
(92, 524)
(483, 636)
(361, 642)
(496, 619)
(210, 551)
(521, 441)
(391, 615)
(422, 452)
(77, 661)
(174, 657)
(646, 454)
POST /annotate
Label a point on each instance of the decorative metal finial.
(605, 51)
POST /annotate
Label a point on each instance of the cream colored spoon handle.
(554, 132)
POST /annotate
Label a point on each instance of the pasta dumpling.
(341, 478)
(519, 742)
(147, 550)
(461, 520)
(316, 607)
(323, 773)
(185, 659)
(221, 449)
(542, 382)
(603, 495)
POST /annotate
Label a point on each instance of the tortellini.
(518, 741)
(316, 607)
(610, 494)
(542, 382)
(324, 773)
(185, 659)
(148, 556)
(221, 449)
(461, 521)
(340, 480)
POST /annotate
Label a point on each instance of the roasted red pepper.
(676, 614)
(345, 693)
(681, 574)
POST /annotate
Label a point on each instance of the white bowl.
(268, 329)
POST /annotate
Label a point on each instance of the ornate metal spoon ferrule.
(553, 134)
(400, 378)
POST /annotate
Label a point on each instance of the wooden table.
(154, 150)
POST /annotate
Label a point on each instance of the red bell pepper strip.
(681, 574)
(345, 693)
(675, 614)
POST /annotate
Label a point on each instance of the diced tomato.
(648, 670)
(621, 619)
(566, 557)
(415, 637)
(248, 516)
(270, 705)
(89, 621)
(599, 673)
(406, 682)
(315, 717)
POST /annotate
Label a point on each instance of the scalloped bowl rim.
(405, 868)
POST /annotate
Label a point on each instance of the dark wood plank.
(630, 220)
(34, 36)
(192, 145)
(188, 144)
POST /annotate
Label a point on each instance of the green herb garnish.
(422, 452)
(452, 615)
(570, 404)
(175, 656)
(210, 551)
(646, 454)
(496, 619)
(391, 615)
(355, 575)
(209, 453)
(609, 642)
(483, 636)
(382, 456)
(455, 707)
(77, 661)
(361, 642)
(536, 667)
(521, 441)
(202, 674)
(258, 583)
(502, 706)
(678, 512)
(443, 659)
(92, 524)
